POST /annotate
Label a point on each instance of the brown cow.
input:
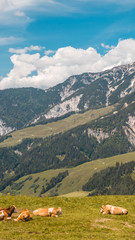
(109, 209)
(5, 213)
(52, 212)
(4, 216)
(24, 216)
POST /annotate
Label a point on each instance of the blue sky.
(43, 42)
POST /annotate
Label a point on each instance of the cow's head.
(15, 210)
(102, 209)
(59, 211)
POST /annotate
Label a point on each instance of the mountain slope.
(116, 180)
(19, 106)
(77, 177)
(55, 127)
(92, 90)
(107, 136)
(88, 136)
(101, 138)
(27, 106)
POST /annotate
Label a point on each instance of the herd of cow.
(25, 215)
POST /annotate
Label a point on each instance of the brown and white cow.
(109, 209)
(5, 213)
(46, 212)
(24, 216)
(4, 216)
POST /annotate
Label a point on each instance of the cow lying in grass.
(45, 212)
(5, 213)
(24, 216)
(109, 209)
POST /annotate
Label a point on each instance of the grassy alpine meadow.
(31, 185)
(81, 219)
(45, 130)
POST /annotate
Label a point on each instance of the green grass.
(81, 219)
(42, 131)
(78, 176)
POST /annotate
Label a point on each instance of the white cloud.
(19, 6)
(110, 1)
(13, 5)
(26, 49)
(48, 52)
(9, 40)
(123, 53)
(106, 46)
(10, 5)
(54, 69)
(19, 14)
(14, 12)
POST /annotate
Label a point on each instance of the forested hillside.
(19, 106)
(104, 137)
(113, 181)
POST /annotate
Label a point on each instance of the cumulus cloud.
(32, 70)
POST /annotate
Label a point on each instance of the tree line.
(115, 180)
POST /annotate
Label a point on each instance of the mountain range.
(27, 106)
(109, 134)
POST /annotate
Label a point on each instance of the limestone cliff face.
(99, 134)
(81, 92)
(130, 130)
(4, 129)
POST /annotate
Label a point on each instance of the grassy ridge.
(55, 127)
(81, 219)
(77, 177)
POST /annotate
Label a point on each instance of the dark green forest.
(53, 182)
(19, 106)
(112, 181)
